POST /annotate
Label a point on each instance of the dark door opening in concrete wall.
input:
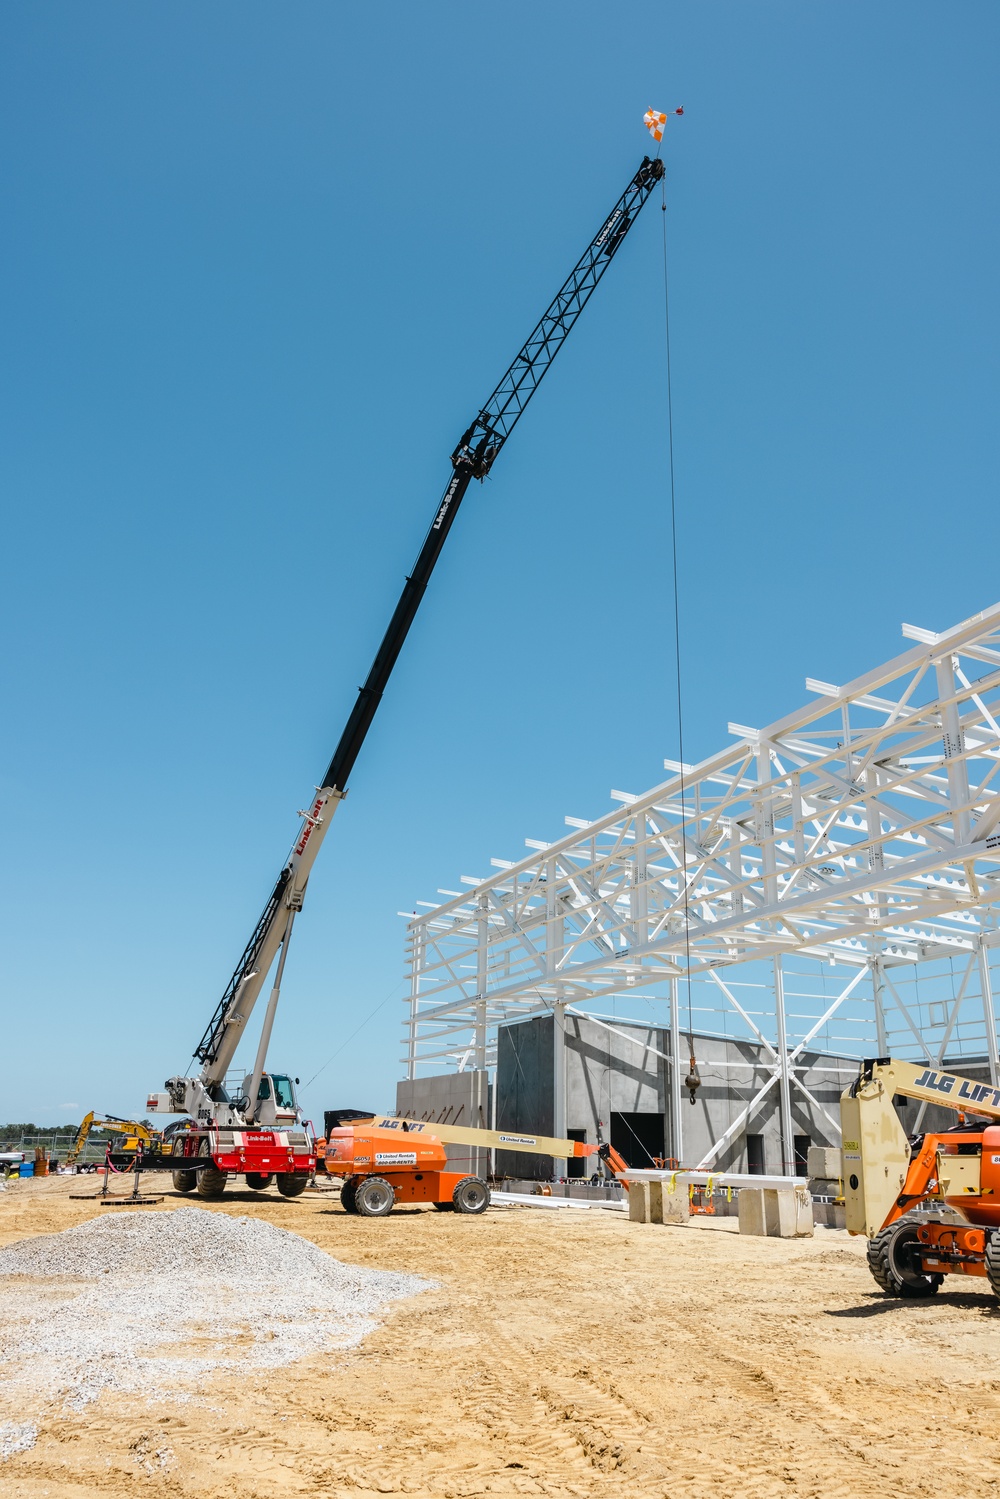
(801, 1144)
(755, 1155)
(637, 1137)
(577, 1165)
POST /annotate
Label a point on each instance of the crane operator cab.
(277, 1105)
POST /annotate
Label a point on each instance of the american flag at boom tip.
(654, 121)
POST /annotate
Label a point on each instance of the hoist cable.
(677, 636)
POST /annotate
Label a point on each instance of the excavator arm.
(128, 1127)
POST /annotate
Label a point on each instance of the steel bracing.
(858, 837)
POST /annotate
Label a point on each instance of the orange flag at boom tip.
(654, 122)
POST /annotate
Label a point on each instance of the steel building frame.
(862, 831)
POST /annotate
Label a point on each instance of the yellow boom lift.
(929, 1206)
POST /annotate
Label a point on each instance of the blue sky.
(261, 263)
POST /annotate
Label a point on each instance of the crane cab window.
(264, 1089)
(284, 1093)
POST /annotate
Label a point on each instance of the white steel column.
(559, 1080)
(878, 985)
(989, 1015)
(416, 964)
(954, 749)
(676, 1130)
(553, 953)
(482, 950)
(784, 1091)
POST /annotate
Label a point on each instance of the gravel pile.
(16, 1436)
(156, 1302)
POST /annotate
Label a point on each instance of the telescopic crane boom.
(474, 455)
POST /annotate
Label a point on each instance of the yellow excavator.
(928, 1205)
(132, 1136)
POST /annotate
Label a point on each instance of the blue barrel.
(26, 1168)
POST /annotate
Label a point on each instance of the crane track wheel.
(257, 1181)
(471, 1195)
(184, 1181)
(291, 1183)
(374, 1197)
(894, 1261)
(347, 1192)
(992, 1258)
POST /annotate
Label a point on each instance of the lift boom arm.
(473, 458)
(491, 1139)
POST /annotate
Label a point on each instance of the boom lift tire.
(257, 1181)
(291, 1183)
(992, 1257)
(374, 1197)
(891, 1262)
(347, 1193)
(471, 1195)
(185, 1181)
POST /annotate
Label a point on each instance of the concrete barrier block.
(781, 1214)
(750, 1205)
(803, 1214)
(676, 1205)
(638, 1202)
(823, 1161)
(771, 1214)
(655, 1201)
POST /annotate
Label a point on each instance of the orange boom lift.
(384, 1160)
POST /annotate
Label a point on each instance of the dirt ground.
(564, 1353)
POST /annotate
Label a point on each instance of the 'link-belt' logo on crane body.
(608, 228)
(311, 820)
(449, 495)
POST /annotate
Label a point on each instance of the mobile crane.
(385, 1160)
(929, 1206)
(257, 1131)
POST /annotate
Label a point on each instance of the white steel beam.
(862, 829)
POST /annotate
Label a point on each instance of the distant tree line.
(15, 1131)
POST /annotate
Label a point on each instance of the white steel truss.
(862, 830)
